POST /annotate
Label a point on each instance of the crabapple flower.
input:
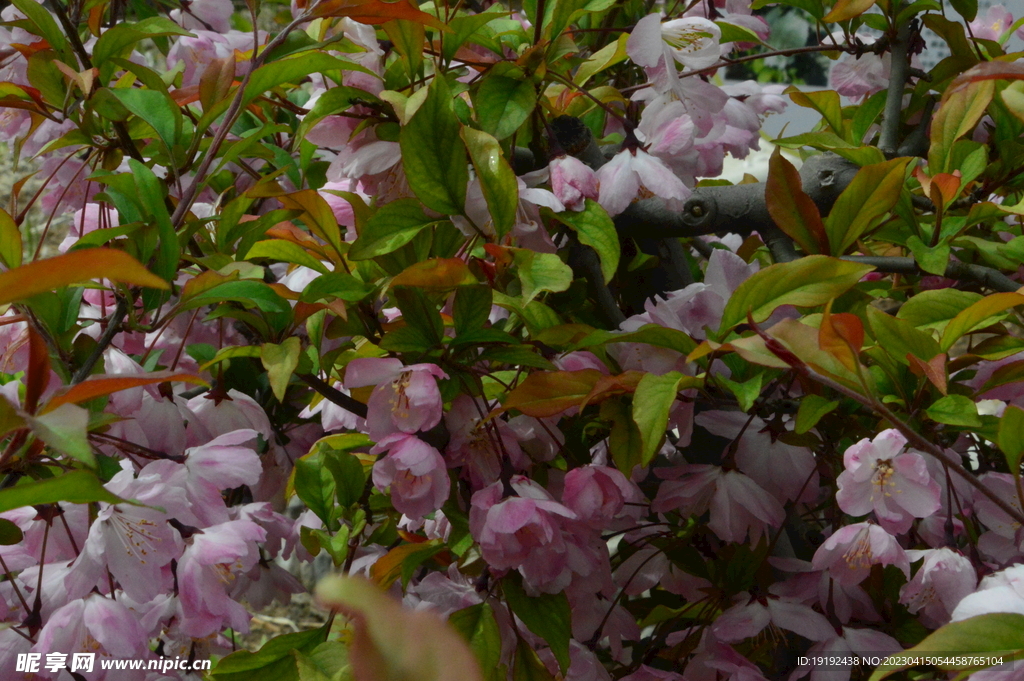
(849, 644)
(478, 444)
(738, 505)
(522, 532)
(572, 182)
(207, 571)
(598, 494)
(95, 624)
(946, 577)
(414, 471)
(849, 553)
(992, 25)
(999, 592)
(405, 399)
(860, 76)
(897, 487)
(633, 174)
(750, 616)
(693, 42)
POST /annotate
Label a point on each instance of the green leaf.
(809, 281)
(825, 102)
(978, 315)
(812, 408)
(338, 284)
(76, 487)
(791, 208)
(899, 338)
(934, 309)
(248, 292)
(10, 534)
(596, 229)
(527, 666)
(1011, 437)
(957, 115)
(541, 272)
(478, 626)
(65, 429)
(652, 401)
(349, 477)
(625, 443)
(273, 661)
(471, 308)
(115, 41)
(9, 418)
(293, 70)
(280, 362)
(955, 410)
(848, 9)
(503, 104)
(419, 313)
(651, 334)
(873, 192)
(733, 33)
(497, 181)
(315, 486)
(394, 225)
(746, 392)
(932, 260)
(155, 108)
(10, 241)
(433, 154)
(547, 616)
(151, 201)
(968, 9)
(46, 27)
(998, 634)
(286, 251)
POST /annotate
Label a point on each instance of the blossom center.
(883, 477)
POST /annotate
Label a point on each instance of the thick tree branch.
(961, 271)
(332, 394)
(899, 72)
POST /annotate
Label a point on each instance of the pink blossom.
(645, 673)
(405, 399)
(633, 174)
(222, 414)
(133, 542)
(213, 15)
(477, 444)
(1004, 539)
(521, 531)
(414, 471)
(999, 592)
(942, 581)
(861, 76)
(849, 553)
(897, 487)
(993, 24)
(572, 181)
(690, 41)
(738, 505)
(598, 495)
(206, 572)
(95, 624)
(750, 616)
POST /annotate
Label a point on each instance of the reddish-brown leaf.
(436, 274)
(842, 336)
(986, 70)
(609, 386)
(549, 393)
(38, 374)
(934, 370)
(791, 208)
(216, 81)
(76, 267)
(97, 386)
(376, 12)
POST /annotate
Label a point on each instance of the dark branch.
(332, 394)
(961, 271)
(899, 72)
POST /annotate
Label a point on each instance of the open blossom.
(635, 174)
(414, 471)
(738, 505)
(992, 24)
(750, 616)
(999, 592)
(943, 580)
(693, 42)
(406, 399)
(521, 531)
(897, 487)
(849, 553)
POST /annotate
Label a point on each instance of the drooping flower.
(999, 592)
(897, 487)
(572, 182)
(405, 399)
(750, 616)
(849, 553)
(94, 624)
(598, 495)
(414, 471)
(521, 531)
(943, 580)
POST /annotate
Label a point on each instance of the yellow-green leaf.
(280, 362)
(977, 315)
(862, 205)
